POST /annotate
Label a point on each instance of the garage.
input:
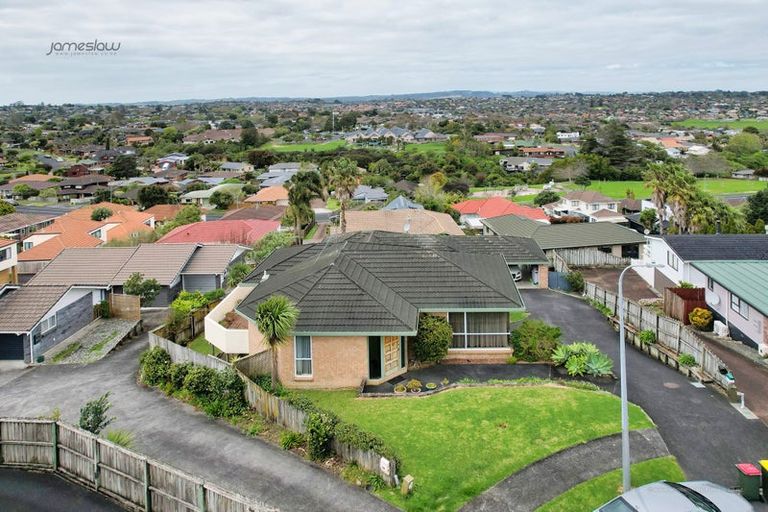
(199, 283)
(11, 346)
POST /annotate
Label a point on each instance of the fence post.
(96, 461)
(55, 445)
(201, 497)
(147, 491)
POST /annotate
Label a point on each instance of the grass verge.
(71, 349)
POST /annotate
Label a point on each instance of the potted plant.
(431, 385)
(414, 386)
(399, 389)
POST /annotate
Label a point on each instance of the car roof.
(665, 496)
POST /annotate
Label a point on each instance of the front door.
(374, 357)
(391, 354)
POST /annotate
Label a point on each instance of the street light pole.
(625, 471)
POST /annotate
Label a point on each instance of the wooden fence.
(671, 334)
(127, 307)
(587, 257)
(679, 302)
(274, 408)
(136, 481)
(255, 364)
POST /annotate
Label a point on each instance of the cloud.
(190, 48)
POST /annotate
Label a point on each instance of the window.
(672, 260)
(574, 203)
(303, 355)
(28, 246)
(710, 284)
(5, 254)
(479, 330)
(48, 324)
(595, 206)
(612, 206)
(739, 306)
(96, 233)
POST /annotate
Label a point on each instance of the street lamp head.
(653, 264)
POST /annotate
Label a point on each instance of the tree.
(582, 181)
(711, 164)
(744, 143)
(93, 415)
(757, 207)
(648, 219)
(276, 319)
(222, 200)
(433, 338)
(250, 137)
(24, 191)
(546, 197)
(6, 208)
(100, 213)
(124, 167)
(146, 289)
(261, 158)
(237, 272)
(303, 187)
(152, 195)
(269, 244)
(342, 177)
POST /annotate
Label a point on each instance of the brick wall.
(337, 362)
(544, 276)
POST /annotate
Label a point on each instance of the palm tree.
(656, 179)
(342, 177)
(276, 319)
(303, 187)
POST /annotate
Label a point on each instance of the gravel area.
(92, 342)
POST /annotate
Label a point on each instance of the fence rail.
(133, 479)
(670, 333)
(586, 257)
(274, 408)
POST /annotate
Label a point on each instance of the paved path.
(548, 478)
(176, 434)
(700, 427)
(25, 491)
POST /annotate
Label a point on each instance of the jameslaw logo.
(72, 48)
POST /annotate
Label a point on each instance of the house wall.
(544, 276)
(72, 314)
(751, 330)
(337, 362)
(656, 250)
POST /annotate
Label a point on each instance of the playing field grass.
(459, 443)
(711, 124)
(716, 186)
(305, 146)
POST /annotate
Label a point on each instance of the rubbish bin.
(764, 467)
(749, 480)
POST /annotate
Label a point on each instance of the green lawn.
(426, 147)
(518, 316)
(311, 233)
(524, 198)
(459, 443)
(593, 493)
(304, 146)
(200, 344)
(711, 124)
(717, 186)
(332, 204)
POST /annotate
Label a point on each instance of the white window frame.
(611, 206)
(297, 359)
(595, 206)
(466, 334)
(48, 324)
(27, 245)
(672, 260)
(574, 203)
(5, 254)
(739, 306)
(710, 284)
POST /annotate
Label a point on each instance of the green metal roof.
(746, 278)
(564, 236)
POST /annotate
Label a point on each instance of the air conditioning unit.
(720, 329)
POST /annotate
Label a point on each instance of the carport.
(11, 346)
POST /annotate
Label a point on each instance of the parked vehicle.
(699, 496)
(517, 274)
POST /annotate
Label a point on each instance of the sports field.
(711, 124)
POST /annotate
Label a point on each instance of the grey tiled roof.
(357, 287)
(719, 247)
(21, 309)
(154, 261)
(211, 259)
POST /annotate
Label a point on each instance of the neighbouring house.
(423, 222)
(603, 237)
(368, 194)
(31, 177)
(33, 319)
(744, 174)
(677, 252)
(544, 152)
(238, 167)
(525, 164)
(360, 303)
(172, 160)
(176, 267)
(737, 294)
(8, 261)
(473, 211)
(202, 198)
(19, 225)
(243, 232)
(138, 140)
(261, 212)
(279, 174)
(277, 196)
(213, 136)
(589, 204)
(405, 186)
(568, 136)
(83, 188)
(402, 203)
(163, 212)
(7, 191)
(77, 229)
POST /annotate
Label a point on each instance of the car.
(11, 201)
(517, 274)
(698, 496)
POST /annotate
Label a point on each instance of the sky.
(182, 49)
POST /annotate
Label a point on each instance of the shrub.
(605, 310)
(511, 360)
(599, 365)
(534, 340)
(122, 438)
(647, 336)
(228, 390)
(582, 358)
(177, 373)
(701, 318)
(100, 214)
(155, 365)
(686, 360)
(199, 381)
(146, 289)
(433, 338)
(93, 415)
(104, 309)
(575, 280)
(576, 365)
(399, 388)
(686, 284)
(290, 440)
(320, 430)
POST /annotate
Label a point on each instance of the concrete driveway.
(700, 427)
(176, 434)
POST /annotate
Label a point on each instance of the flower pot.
(416, 390)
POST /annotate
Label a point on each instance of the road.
(174, 433)
(706, 434)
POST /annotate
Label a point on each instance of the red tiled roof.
(5, 242)
(245, 232)
(164, 212)
(498, 206)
